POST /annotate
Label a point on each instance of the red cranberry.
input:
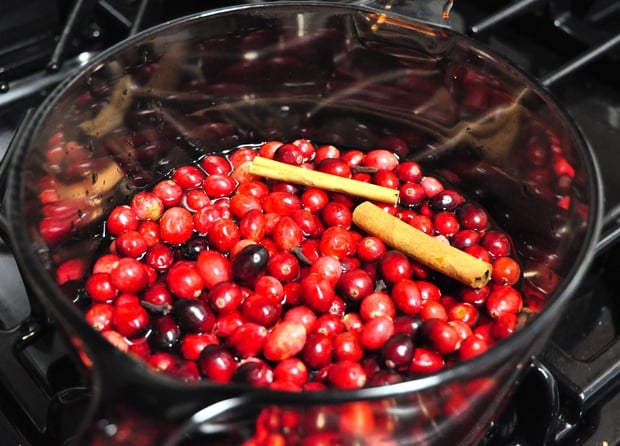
(247, 340)
(165, 333)
(256, 373)
(184, 281)
(376, 332)
(497, 243)
(446, 200)
(217, 363)
(317, 351)
(188, 177)
(291, 370)
(131, 319)
(121, 219)
(347, 347)
(346, 374)
(425, 361)
(394, 266)
(397, 352)
(176, 225)
(285, 340)
(504, 299)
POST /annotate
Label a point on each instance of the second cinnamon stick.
(277, 170)
(422, 247)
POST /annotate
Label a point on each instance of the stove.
(570, 394)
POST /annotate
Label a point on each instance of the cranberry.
(213, 164)
(213, 267)
(497, 243)
(472, 346)
(287, 234)
(147, 206)
(219, 185)
(169, 192)
(441, 335)
(317, 292)
(473, 217)
(248, 339)
(386, 178)
(302, 315)
(407, 297)
(337, 214)
(445, 223)
(425, 361)
(192, 344)
(249, 263)
(193, 247)
(317, 351)
(433, 309)
(411, 194)
(286, 339)
(284, 266)
(160, 257)
(370, 248)
(291, 370)
(281, 203)
(100, 316)
(347, 347)
(204, 218)
(225, 297)
(223, 234)
(394, 266)
(397, 352)
(131, 319)
(504, 299)
(176, 225)
(446, 200)
(375, 332)
(195, 199)
(217, 363)
(505, 271)
(328, 324)
(381, 159)
(256, 373)
(188, 177)
(165, 333)
(100, 288)
(375, 304)
(314, 199)
(217, 274)
(346, 374)
(261, 309)
(355, 285)
(121, 219)
(409, 171)
(184, 281)
(337, 242)
(194, 315)
(129, 276)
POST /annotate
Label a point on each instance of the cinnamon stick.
(275, 170)
(422, 247)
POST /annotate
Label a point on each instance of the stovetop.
(568, 397)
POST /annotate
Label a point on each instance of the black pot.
(343, 74)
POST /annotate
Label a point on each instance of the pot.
(345, 74)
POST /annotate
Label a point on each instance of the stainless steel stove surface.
(570, 395)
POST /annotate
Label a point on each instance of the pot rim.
(42, 284)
